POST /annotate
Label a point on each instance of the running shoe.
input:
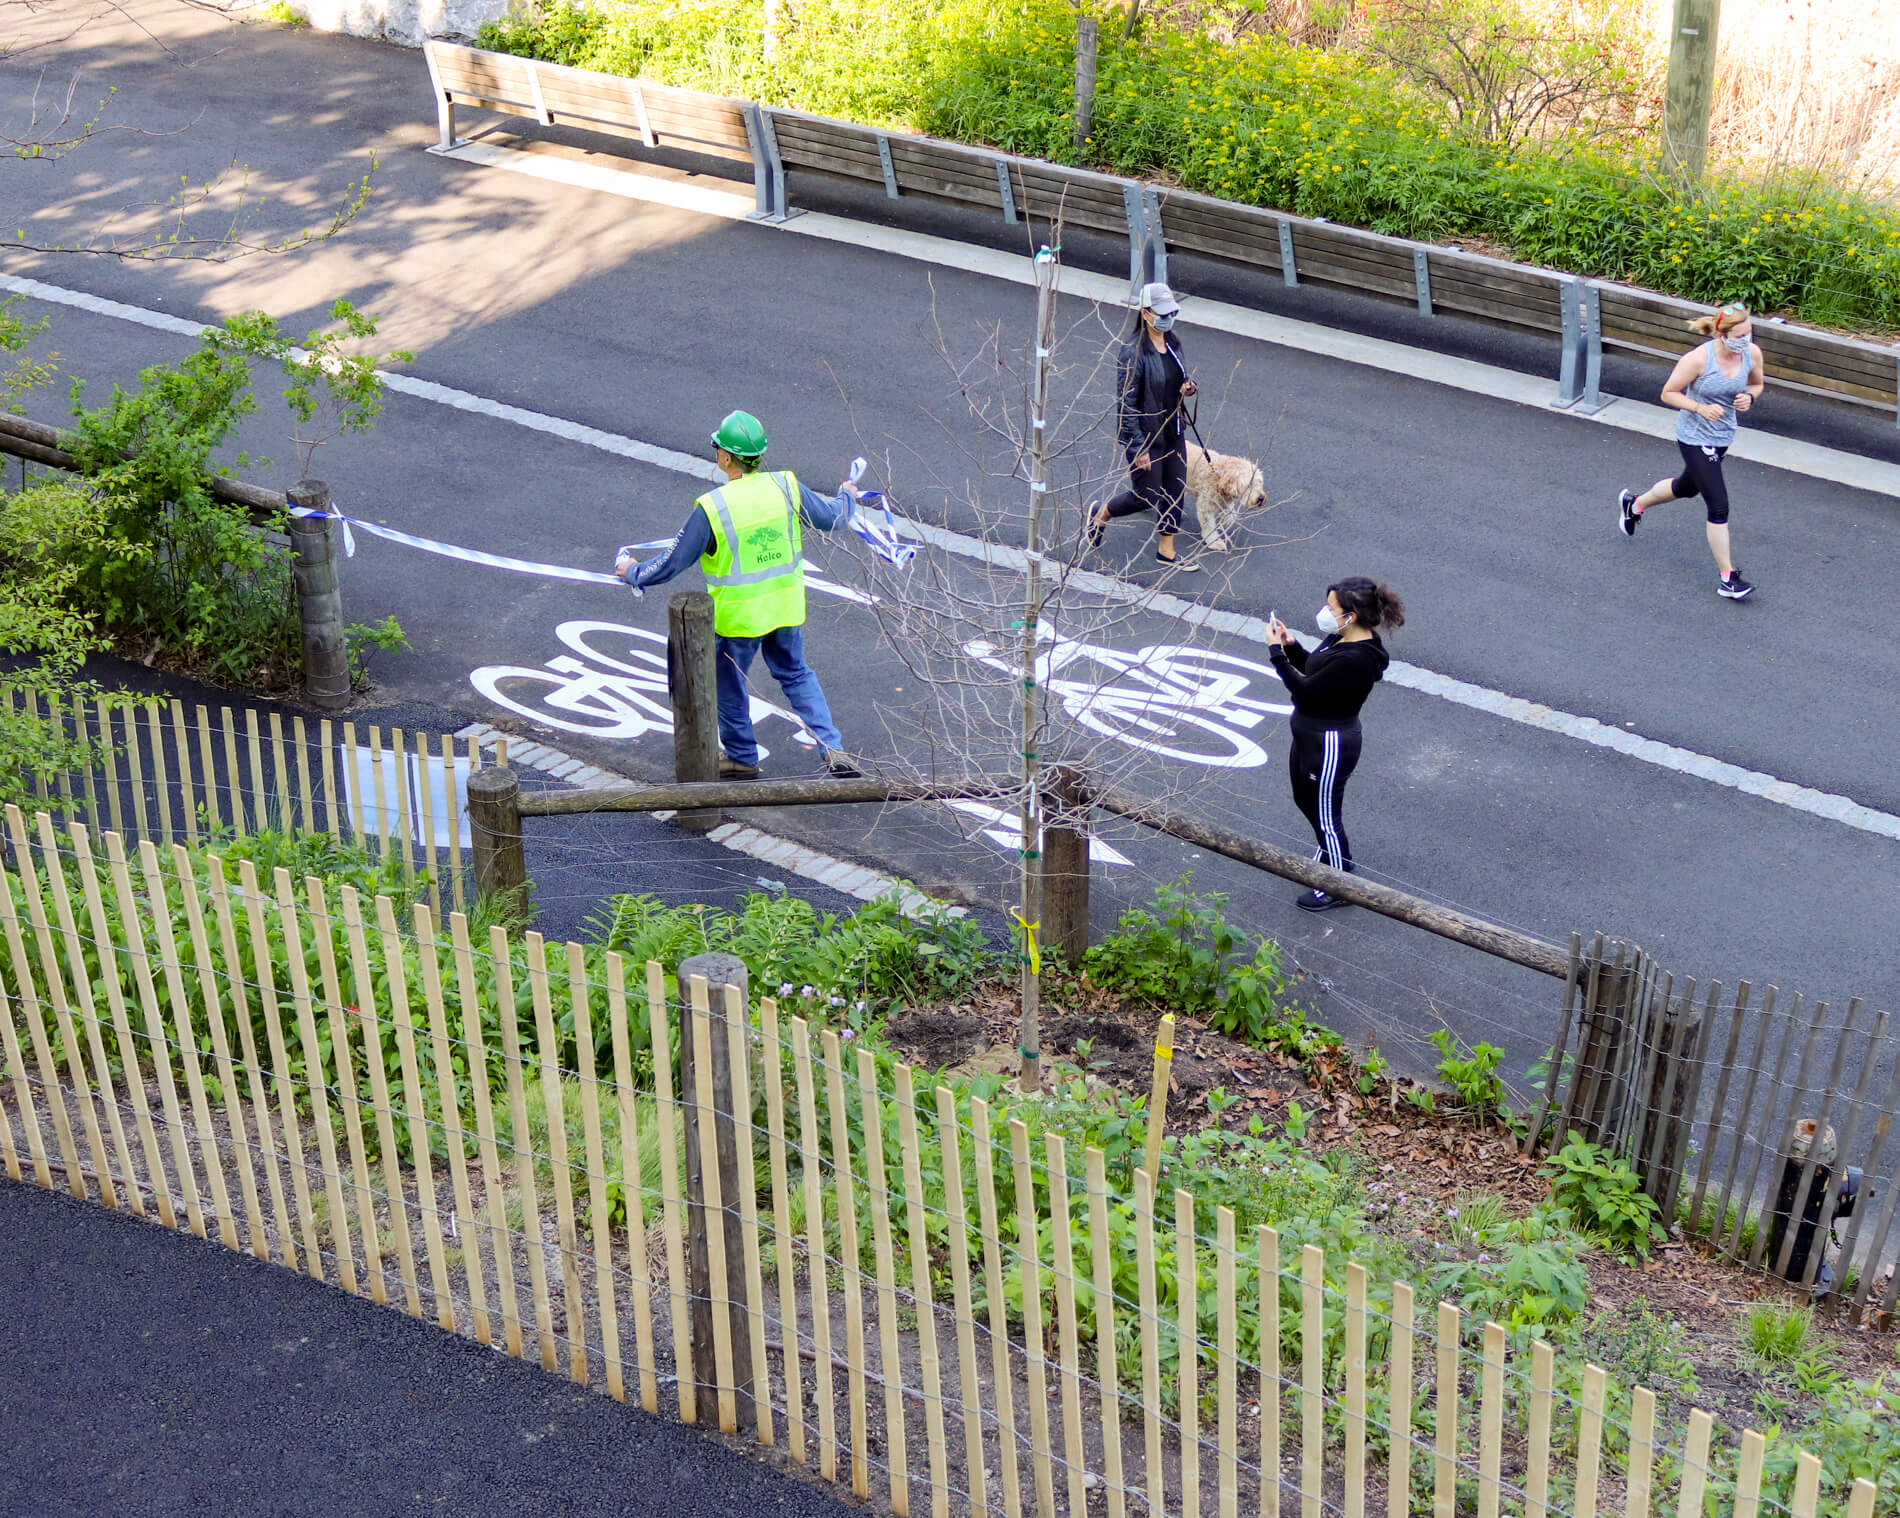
(1627, 514)
(1733, 587)
(1320, 901)
(1095, 532)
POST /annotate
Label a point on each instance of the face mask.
(1326, 621)
(1736, 344)
(1161, 323)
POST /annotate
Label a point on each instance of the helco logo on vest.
(766, 544)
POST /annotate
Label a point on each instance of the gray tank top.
(1712, 386)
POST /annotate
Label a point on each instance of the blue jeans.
(784, 652)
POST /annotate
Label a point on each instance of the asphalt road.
(1495, 521)
(146, 1371)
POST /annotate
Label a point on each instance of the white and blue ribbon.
(880, 536)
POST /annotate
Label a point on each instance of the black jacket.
(1150, 386)
(1331, 683)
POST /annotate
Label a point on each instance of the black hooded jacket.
(1331, 683)
(1150, 385)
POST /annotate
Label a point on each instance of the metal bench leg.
(1568, 388)
(768, 169)
(1592, 401)
(1155, 254)
(1136, 210)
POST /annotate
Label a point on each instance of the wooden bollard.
(494, 823)
(1065, 867)
(692, 683)
(326, 651)
(704, 1172)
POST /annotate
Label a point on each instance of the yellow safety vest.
(755, 570)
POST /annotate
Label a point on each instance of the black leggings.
(1159, 488)
(1320, 761)
(1702, 476)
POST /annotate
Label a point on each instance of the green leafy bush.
(814, 962)
(1183, 955)
(1319, 131)
(1472, 1074)
(1604, 1196)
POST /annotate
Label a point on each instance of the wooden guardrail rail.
(1586, 316)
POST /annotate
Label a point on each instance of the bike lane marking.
(1827, 805)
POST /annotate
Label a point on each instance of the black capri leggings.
(1159, 488)
(1702, 476)
(1320, 761)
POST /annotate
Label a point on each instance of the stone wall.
(409, 22)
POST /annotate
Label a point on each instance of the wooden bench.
(1795, 358)
(656, 115)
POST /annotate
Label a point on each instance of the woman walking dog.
(1329, 685)
(1153, 381)
(1710, 384)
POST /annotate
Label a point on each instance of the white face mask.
(1736, 344)
(1326, 621)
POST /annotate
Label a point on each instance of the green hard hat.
(742, 435)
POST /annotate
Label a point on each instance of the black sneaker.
(1095, 531)
(1627, 514)
(731, 769)
(1733, 587)
(1320, 901)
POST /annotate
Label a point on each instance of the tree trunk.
(1087, 38)
(1029, 909)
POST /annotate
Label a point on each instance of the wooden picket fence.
(255, 1062)
(176, 776)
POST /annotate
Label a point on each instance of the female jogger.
(1710, 384)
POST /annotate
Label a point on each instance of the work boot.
(732, 769)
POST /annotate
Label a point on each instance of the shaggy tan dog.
(1223, 486)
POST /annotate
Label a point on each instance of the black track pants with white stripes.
(1320, 761)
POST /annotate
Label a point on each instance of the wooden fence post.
(693, 687)
(326, 654)
(1065, 867)
(1588, 1108)
(718, 972)
(494, 822)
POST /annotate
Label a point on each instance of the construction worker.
(746, 536)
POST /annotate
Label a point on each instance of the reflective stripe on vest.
(749, 599)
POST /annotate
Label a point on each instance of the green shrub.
(1641, 1347)
(1604, 1196)
(1183, 955)
(1473, 1075)
(815, 962)
(1321, 132)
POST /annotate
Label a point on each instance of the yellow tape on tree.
(1034, 957)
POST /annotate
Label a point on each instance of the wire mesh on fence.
(1762, 1123)
(368, 1102)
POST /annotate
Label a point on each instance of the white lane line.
(1489, 380)
(1796, 797)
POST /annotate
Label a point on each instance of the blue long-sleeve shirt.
(695, 538)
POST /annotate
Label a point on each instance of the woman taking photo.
(1710, 384)
(1328, 686)
(1153, 380)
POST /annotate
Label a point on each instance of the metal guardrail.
(1434, 278)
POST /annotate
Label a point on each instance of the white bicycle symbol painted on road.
(616, 688)
(1172, 701)
(1189, 704)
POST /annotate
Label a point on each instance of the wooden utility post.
(326, 651)
(693, 684)
(1065, 867)
(712, 1190)
(1691, 88)
(494, 823)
